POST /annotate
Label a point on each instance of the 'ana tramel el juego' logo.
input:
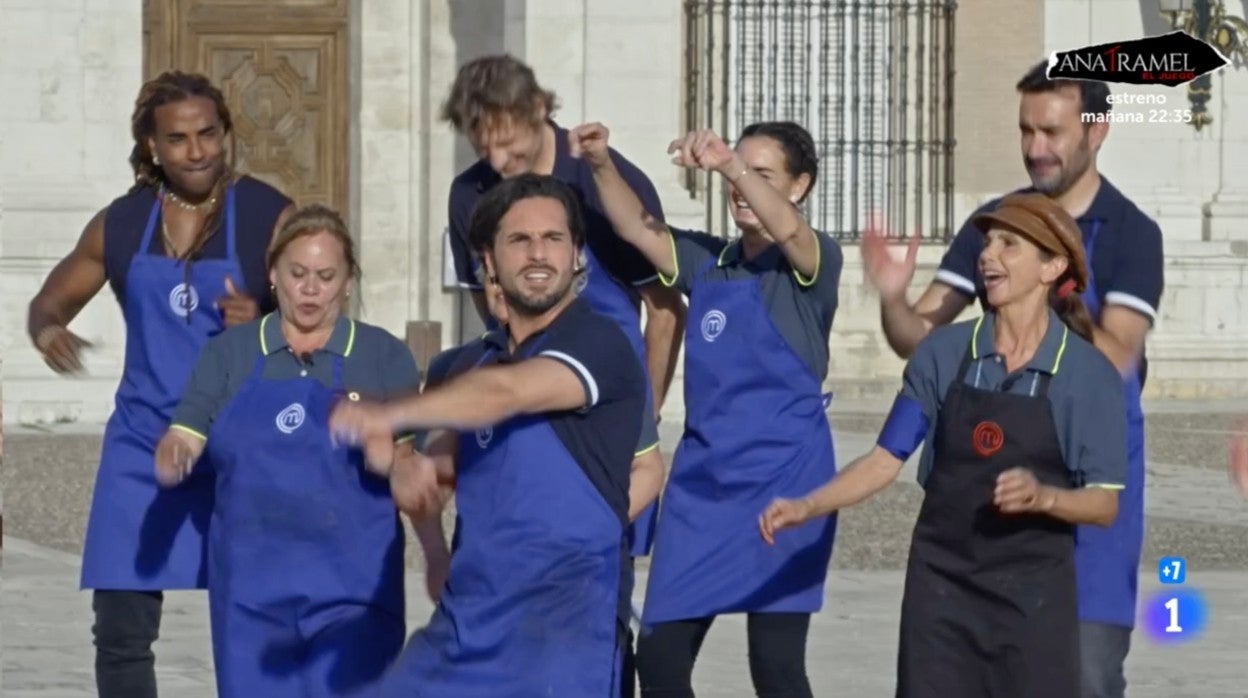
(1166, 59)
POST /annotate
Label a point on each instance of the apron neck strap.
(1040, 384)
(150, 228)
(336, 383)
(230, 247)
(1089, 240)
(964, 366)
(257, 368)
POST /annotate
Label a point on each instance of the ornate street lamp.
(1208, 21)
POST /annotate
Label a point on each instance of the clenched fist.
(589, 143)
(704, 150)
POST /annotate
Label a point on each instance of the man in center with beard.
(538, 424)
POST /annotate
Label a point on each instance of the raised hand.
(890, 277)
(704, 150)
(589, 143)
(782, 514)
(61, 349)
(236, 307)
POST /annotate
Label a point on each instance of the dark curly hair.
(167, 88)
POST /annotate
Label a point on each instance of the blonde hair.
(310, 220)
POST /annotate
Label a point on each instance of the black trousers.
(127, 623)
(1103, 650)
(628, 668)
(777, 643)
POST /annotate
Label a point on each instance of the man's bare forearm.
(903, 326)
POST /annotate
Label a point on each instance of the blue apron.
(140, 536)
(305, 549)
(531, 603)
(756, 429)
(607, 297)
(1107, 559)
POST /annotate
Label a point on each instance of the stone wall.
(71, 69)
(74, 67)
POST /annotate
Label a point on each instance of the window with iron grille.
(871, 81)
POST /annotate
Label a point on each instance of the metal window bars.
(871, 80)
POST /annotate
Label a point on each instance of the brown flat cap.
(1041, 220)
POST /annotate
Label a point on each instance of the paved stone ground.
(45, 621)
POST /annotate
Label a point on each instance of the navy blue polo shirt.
(1127, 262)
(802, 310)
(375, 365)
(445, 362)
(256, 208)
(601, 437)
(621, 260)
(1085, 392)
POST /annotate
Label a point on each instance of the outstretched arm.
(860, 480)
(478, 398)
(904, 431)
(630, 219)
(780, 217)
(1018, 492)
(906, 324)
(491, 394)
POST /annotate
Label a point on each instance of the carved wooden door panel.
(282, 65)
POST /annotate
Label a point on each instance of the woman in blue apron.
(545, 417)
(182, 251)
(1023, 420)
(288, 499)
(756, 353)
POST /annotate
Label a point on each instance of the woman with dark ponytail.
(1025, 433)
(756, 354)
(184, 252)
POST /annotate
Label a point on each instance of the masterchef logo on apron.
(291, 418)
(183, 300)
(987, 438)
(713, 325)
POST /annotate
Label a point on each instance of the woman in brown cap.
(1025, 437)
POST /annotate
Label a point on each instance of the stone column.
(1227, 210)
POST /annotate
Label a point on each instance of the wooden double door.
(282, 65)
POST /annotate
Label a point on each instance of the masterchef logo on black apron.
(987, 438)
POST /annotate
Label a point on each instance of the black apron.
(990, 604)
